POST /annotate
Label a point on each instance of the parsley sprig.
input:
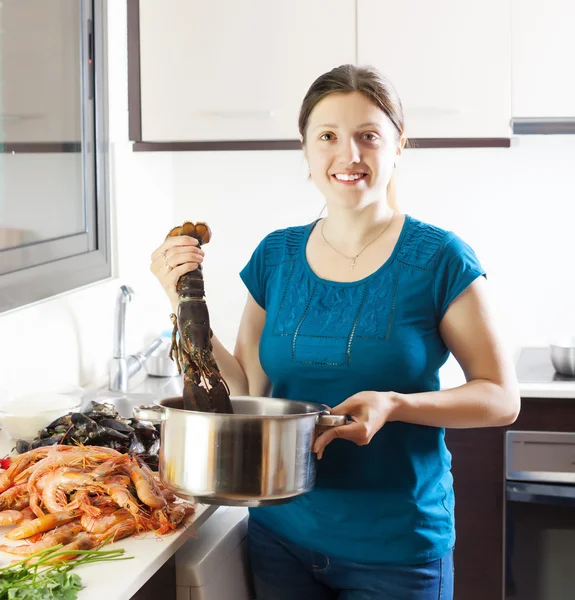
(35, 579)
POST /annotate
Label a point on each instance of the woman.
(359, 311)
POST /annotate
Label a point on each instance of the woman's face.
(351, 146)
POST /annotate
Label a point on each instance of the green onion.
(33, 579)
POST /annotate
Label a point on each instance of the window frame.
(36, 272)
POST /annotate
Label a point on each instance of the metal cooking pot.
(261, 454)
(563, 359)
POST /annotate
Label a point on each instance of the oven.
(539, 516)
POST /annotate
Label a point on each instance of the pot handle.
(326, 420)
(150, 412)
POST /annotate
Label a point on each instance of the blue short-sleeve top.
(390, 501)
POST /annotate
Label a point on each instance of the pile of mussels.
(101, 426)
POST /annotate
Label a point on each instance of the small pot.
(261, 454)
(563, 359)
(160, 364)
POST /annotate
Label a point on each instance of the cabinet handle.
(239, 114)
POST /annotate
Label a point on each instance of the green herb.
(34, 579)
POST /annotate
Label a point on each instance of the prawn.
(109, 518)
(10, 517)
(83, 541)
(42, 524)
(58, 483)
(61, 535)
(24, 462)
(14, 498)
(146, 487)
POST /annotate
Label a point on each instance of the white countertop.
(548, 390)
(122, 579)
(537, 377)
(535, 373)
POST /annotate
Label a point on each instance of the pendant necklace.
(353, 259)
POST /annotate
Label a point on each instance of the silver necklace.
(354, 258)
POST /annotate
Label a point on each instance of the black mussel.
(82, 420)
(99, 410)
(136, 447)
(106, 434)
(22, 446)
(64, 421)
(46, 433)
(87, 428)
(145, 431)
(51, 441)
(117, 425)
(154, 448)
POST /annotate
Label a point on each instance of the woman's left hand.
(368, 411)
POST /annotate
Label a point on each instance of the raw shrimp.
(146, 487)
(119, 494)
(118, 531)
(13, 498)
(23, 462)
(58, 483)
(109, 518)
(61, 535)
(42, 524)
(172, 515)
(10, 517)
(78, 456)
(83, 541)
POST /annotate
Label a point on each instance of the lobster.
(205, 389)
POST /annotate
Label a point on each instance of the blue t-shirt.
(390, 501)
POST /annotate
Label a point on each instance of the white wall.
(515, 206)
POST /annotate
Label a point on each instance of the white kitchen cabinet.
(449, 61)
(543, 58)
(226, 71)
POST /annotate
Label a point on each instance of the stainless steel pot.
(160, 364)
(262, 454)
(563, 359)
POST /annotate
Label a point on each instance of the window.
(54, 229)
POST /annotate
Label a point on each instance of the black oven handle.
(540, 493)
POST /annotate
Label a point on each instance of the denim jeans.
(286, 571)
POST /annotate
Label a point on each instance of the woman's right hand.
(176, 256)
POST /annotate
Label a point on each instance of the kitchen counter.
(122, 579)
(537, 377)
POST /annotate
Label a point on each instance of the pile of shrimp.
(81, 497)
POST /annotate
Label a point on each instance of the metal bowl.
(563, 359)
(160, 364)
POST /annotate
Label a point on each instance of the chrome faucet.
(123, 367)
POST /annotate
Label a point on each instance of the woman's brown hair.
(366, 80)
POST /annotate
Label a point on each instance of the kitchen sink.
(143, 391)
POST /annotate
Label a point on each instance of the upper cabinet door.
(449, 61)
(222, 70)
(543, 54)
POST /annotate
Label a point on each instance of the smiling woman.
(359, 311)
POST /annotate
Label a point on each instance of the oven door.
(540, 541)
